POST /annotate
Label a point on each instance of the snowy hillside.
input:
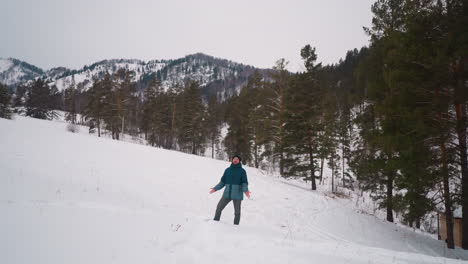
(214, 74)
(13, 71)
(77, 198)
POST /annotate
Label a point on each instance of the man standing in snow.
(235, 180)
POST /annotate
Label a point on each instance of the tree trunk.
(390, 197)
(460, 109)
(256, 154)
(448, 202)
(461, 132)
(281, 162)
(212, 147)
(123, 123)
(333, 174)
(321, 169)
(172, 125)
(312, 168)
(342, 168)
(281, 129)
(99, 128)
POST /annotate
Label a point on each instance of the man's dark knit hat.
(236, 155)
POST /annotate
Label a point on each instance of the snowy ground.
(75, 198)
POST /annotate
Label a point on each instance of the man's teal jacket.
(235, 181)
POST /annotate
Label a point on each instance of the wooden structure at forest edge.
(457, 228)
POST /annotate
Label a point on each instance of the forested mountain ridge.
(214, 75)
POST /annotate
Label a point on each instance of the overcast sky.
(74, 33)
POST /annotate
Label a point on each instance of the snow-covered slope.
(76, 198)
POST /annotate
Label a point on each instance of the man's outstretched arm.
(220, 185)
(245, 184)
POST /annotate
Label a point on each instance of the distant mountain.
(13, 71)
(215, 75)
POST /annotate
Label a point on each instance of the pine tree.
(20, 98)
(159, 115)
(257, 121)
(250, 124)
(279, 87)
(344, 89)
(5, 102)
(70, 99)
(40, 100)
(426, 70)
(454, 45)
(170, 106)
(98, 95)
(151, 118)
(123, 100)
(328, 137)
(213, 122)
(377, 158)
(238, 139)
(406, 122)
(303, 124)
(190, 119)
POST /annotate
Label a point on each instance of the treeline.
(177, 118)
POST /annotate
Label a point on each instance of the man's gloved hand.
(248, 194)
(212, 190)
